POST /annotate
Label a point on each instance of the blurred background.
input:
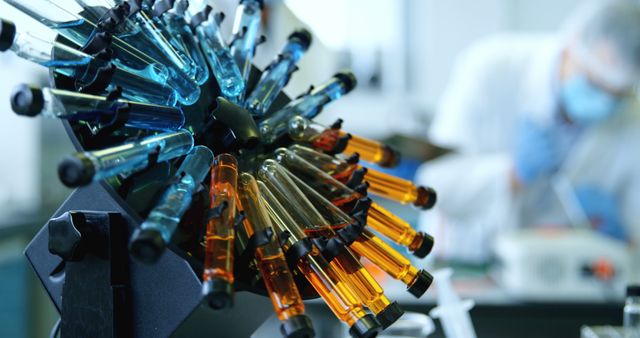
(402, 52)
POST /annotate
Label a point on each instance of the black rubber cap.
(391, 158)
(299, 326)
(218, 293)
(7, 34)
(425, 248)
(146, 245)
(365, 327)
(421, 284)
(348, 79)
(27, 100)
(303, 37)
(427, 198)
(390, 315)
(76, 170)
(633, 290)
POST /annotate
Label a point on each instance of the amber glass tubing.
(381, 220)
(220, 237)
(329, 285)
(272, 264)
(371, 151)
(288, 194)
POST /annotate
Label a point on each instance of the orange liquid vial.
(398, 189)
(399, 231)
(219, 239)
(372, 151)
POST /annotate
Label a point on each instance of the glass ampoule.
(223, 67)
(246, 27)
(276, 75)
(217, 278)
(380, 219)
(272, 263)
(148, 242)
(319, 273)
(74, 106)
(307, 106)
(85, 167)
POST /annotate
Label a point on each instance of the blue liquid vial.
(74, 106)
(245, 34)
(176, 199)
(182, 38)
(83, 168)
(307, 106)
(277, 74)
(222, 64)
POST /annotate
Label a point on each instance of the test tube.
(323, 278)
(272, 264)
(276, 75)
(308, 218)
(223, 66)
(217, 278)
(78, 30)
(307, 106)
(245, 34)
(148, 242)
(183, 38)
(334, 140)
(57, 103)
(381, 220)
(89, 166)
(73, 63)
(381, 184)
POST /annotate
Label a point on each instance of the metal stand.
(81, 259)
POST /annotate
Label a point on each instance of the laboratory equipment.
(562, 264)
(149, 241)
(140, 166)
(87, 69)
(85, 167)
(333, 141)
(452, 312)
(57, 103)
(220, 60)
(245, 35)
(276, 75)
(381, 184)
(272, 263)
(631, 319)
(309, 105)
(217, 280)
(411, 325)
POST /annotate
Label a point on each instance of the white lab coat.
(495, 83)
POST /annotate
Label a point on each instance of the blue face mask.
(585, 103)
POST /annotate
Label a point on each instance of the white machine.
(562, 265)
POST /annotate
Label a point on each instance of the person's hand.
(535, 152)
(602, 210)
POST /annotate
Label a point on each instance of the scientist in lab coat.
(526, 114)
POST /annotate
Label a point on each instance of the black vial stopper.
(390, 315)
(302, 36)
(421, 283)
(218, 293)
(426, 246)
(427, 198)
(146, 245)
(27, 100)
(7, 34)
(365, 327)
(348, 80)
(76, 170)
(299, 326)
